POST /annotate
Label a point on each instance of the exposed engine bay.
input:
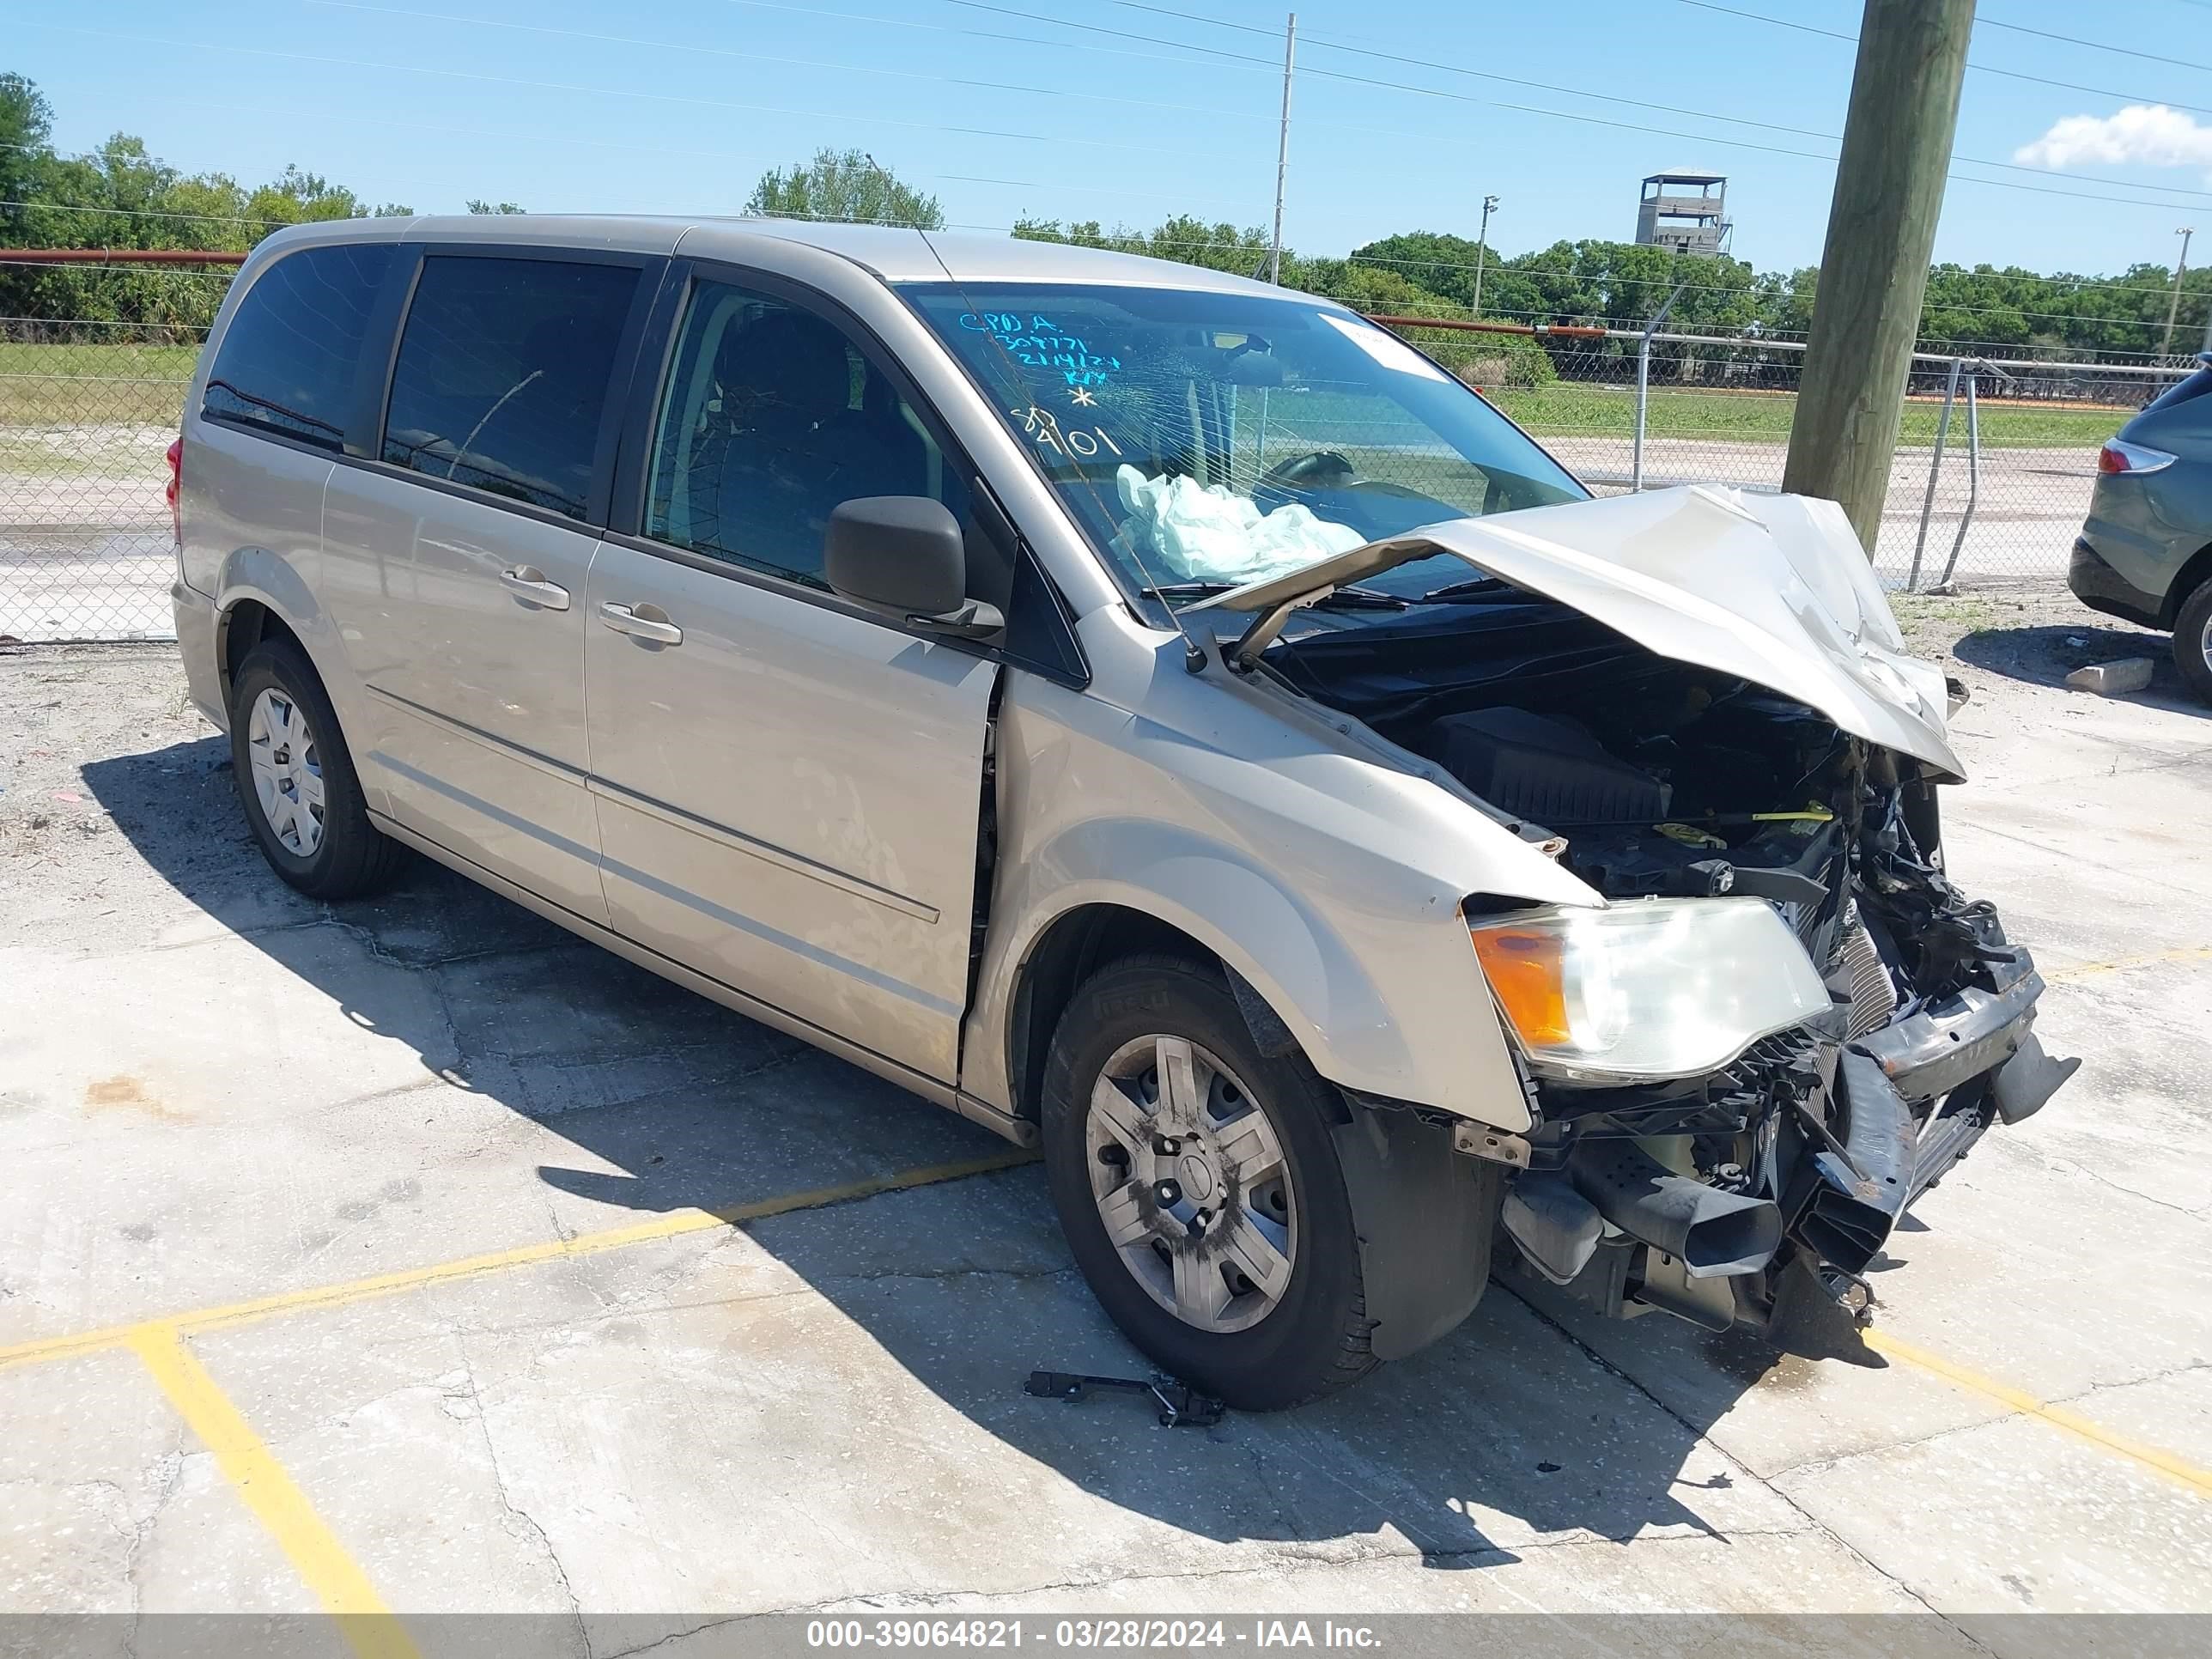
(1759, 1194)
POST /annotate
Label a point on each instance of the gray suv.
(2146, 553)
(1165, 720)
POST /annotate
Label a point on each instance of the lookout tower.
(1684, 211)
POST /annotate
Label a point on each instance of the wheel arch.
(1423, 1215)
(242, 627)
(2194, 572)
(261, 597)
(1069, 950)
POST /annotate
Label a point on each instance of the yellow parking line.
(674, 1224)
(2121, 964)
(276, 1499)
(2159, 1461)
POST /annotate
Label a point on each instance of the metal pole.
(1644, 385)
(1642, 401)
(1481, 247)
(1283, 149)
(2173, 303)
(1934, 466)
(1973, 478)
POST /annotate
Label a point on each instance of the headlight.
(1652, 988)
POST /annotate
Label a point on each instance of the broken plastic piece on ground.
(1180, 1407)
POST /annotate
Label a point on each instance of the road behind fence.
(87, 410)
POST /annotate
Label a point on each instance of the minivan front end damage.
(1776, 1023)
(1750, 1194)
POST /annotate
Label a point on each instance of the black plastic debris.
(1179, 1406)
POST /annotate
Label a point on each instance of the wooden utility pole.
(1873, 268)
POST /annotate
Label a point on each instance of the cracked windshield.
(1205, 441)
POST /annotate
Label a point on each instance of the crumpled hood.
(1774, 589)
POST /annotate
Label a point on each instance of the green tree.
(844, 185)
(1479, 359)
(1441, 264)
(1185, 239)
(26, 125)
(476, 205)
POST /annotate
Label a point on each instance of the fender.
(1431, 1036)
(256, 573)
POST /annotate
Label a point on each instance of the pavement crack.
(2106, 1180)
(521, 1515)
(1831, 1459)
(2096, 1388)
(680, 1635)
(172, 1466)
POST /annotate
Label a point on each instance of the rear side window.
(288, 360)
(502, 375)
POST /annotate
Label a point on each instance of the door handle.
(527, 581)
(636, 622)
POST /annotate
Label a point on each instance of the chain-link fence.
(87, 409)
(1995, 457)
(87, 413)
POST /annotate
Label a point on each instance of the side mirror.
(903, 555)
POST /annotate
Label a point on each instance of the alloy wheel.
(1188, 1172)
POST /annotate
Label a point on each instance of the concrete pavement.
(361, 1253)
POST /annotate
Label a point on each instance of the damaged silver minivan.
(1164, 719)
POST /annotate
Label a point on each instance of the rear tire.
(1234, 1168)
(2192, 642)
(296, 781)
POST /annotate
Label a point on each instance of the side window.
(288, 360)
(771, 419)
(502, 375)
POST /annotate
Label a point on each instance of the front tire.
(1198, 1183)
(296, 781)
(2192, 642)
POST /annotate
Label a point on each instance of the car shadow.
(2045, 655)
(1512, 1431)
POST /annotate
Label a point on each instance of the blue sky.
(1086, 124)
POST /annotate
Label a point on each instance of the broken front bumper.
(1729, 1202)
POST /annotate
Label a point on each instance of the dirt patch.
(128, 1093)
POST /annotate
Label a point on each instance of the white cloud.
(2145, 135)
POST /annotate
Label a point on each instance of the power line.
(2094, 45)
(1325, 43)
(1138, 239)
(607, 92)
(1984, 69)
(948, 28)
(1594, 120)
(979, 5)
(690, 49)
(147, 213)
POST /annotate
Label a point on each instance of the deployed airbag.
(1180, 528)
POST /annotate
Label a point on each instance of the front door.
(789, 793)
(477, 514)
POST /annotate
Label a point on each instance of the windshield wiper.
(1349, 598)
(1475, 588)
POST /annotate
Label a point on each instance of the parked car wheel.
(2192, 641)
(296, 781)
(1199, 1186)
